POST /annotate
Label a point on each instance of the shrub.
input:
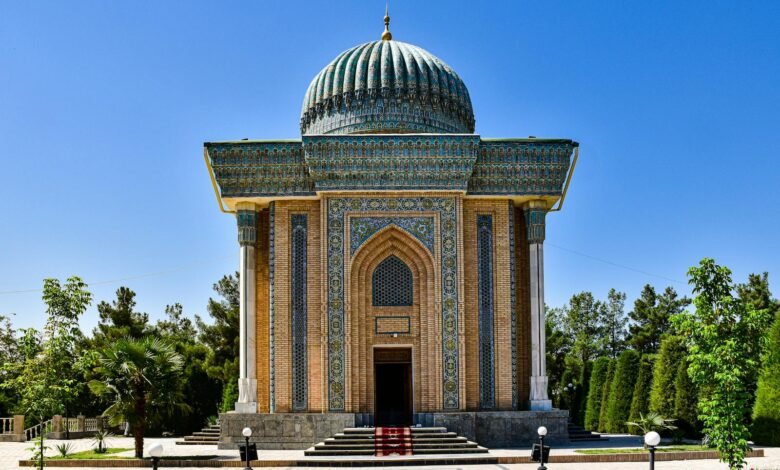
(598, 377)
(766, 411)
(640, 402)
(685, 401)
(619, 404)
(605, 396)
(664, 373)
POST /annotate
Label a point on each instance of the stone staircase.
(426, 441)
(208, 436)
(579, 434)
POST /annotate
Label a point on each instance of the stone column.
(535, 212)
(246, 217)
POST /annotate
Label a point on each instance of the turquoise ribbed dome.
(387, 86)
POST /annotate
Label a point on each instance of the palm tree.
(139, 377)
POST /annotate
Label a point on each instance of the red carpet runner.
(392, 441)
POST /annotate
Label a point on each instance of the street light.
(247, 432)
(652, 439)
(155, 451)
(542, 432)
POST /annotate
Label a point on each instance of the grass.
(110, 454)
(677, 448)
(92, 455)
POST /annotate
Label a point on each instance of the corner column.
(246, 218)
(535, 212)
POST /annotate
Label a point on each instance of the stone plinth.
(505, 429)
(282, 430)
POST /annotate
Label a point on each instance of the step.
(459, 445)
(316, 452)
(415, 440)
(197, 443)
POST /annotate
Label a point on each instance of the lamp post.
(542, 432)
(155, 452)
(247, 432)
(652, 439)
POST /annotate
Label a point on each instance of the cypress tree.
(605, 396)
(581, 394)
(685, 401)
(620, 396)
(664, 374)
(596, 387)
(766, 411)
(640, 402)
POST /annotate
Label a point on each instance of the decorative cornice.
(247, 227)
(424, 162)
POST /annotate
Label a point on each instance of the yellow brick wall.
(261, 314)
(502, 335)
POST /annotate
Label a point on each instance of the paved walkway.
(11, 453)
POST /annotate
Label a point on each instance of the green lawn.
(92, 455)
(678, 448)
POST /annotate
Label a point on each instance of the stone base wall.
(492, 429)
(282, 430)
(504, 429)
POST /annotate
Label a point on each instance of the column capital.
(246, 218)
(535, 222)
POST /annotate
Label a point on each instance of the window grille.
(298, 310)
(392, 284)
(485, 301)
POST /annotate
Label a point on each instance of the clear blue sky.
(104, 107)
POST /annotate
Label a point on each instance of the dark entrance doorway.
(393, 387)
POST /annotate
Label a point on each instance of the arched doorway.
(385, 345)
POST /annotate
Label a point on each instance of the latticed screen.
(485, 291)
(392, 284)
(298, 309)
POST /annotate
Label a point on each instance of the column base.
(247, 390)
(540, 405)
(246, 407)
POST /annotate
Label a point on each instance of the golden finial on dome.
(386, 36)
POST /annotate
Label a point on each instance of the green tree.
(640, 401)
(582, 324)
(222, 339)
(558, 348)
(606, 396)
(651, 318)
(613, 323)
(9, 360)
(47, 380)
(139, 377)
(685, 400)
(119, 319)
(766, 411)
(201, 392)
(619, 404)
(667, 363)
(598, 377)
(724, 336)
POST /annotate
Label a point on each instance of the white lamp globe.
(155, 450)
(542, 431)
(652, 438)
(247, 432)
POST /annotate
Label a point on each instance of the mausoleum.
(391, 260)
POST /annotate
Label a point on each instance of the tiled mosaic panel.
(363, 228)
(392, 284)
(485, 302)
(298, 267)
(337, 208)
(513, 303)
(271, 305)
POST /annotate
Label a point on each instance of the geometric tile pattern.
(363, 228)
(271, 307)
(392, 284)
(534, 222)
(485, 303)
(337, 210)
(513, 303)
(298, 268)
